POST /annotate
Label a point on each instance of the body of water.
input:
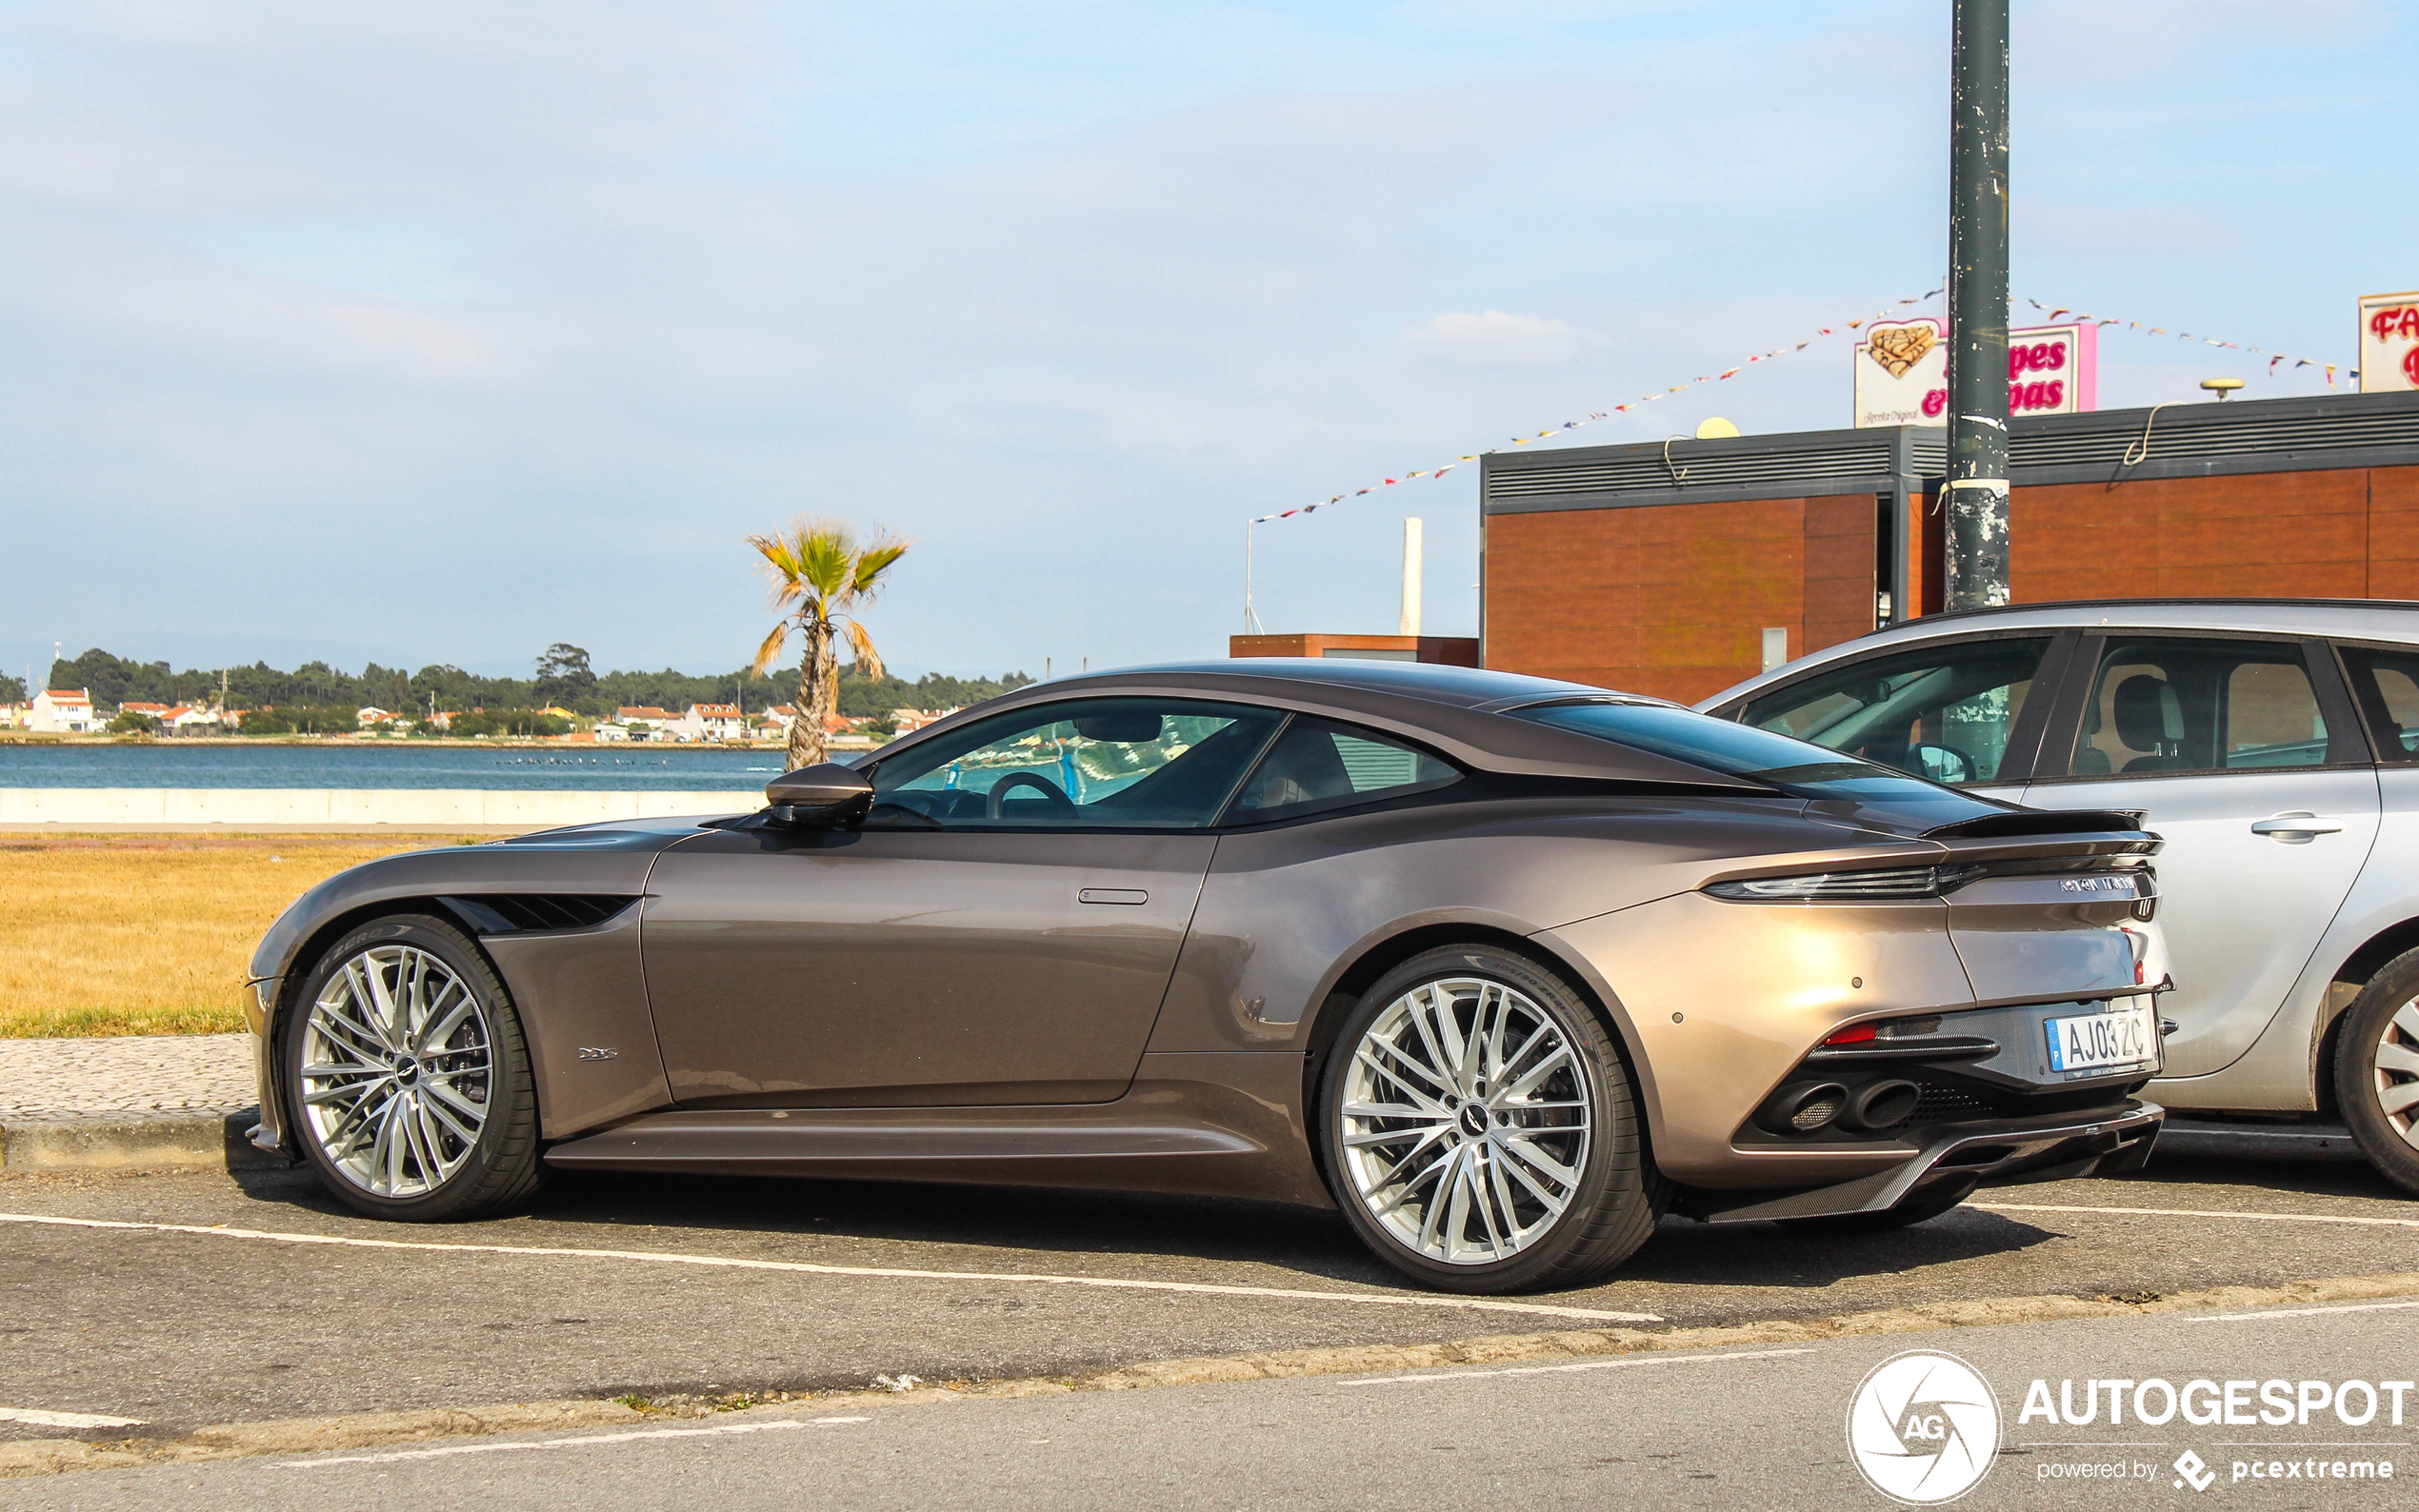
(649, 767)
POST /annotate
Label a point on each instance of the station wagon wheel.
(407, 1078)
(1480, 1128)
(2377, 1070)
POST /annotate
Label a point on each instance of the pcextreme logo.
(1922, 1428)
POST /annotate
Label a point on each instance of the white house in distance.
(63, 711)
(642, 719)
(714, 722)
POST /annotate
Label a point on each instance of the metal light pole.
(1977, 483)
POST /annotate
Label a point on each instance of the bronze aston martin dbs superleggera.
(1503, 967)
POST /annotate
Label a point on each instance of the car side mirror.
(827, 794)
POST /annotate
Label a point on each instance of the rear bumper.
(2107, 1141)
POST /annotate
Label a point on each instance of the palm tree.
(822, 579)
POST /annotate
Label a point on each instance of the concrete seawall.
(333, 811)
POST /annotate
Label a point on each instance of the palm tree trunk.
(818, 692)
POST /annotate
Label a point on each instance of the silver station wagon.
(2275, 743)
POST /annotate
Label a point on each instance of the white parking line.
(1585, 1364)
(586, 1441)
(2301, 1312)
(41, 1418)
(1373, 1299)
(2193, 1212)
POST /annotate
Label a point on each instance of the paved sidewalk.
(137, 1073)
(137, 1101)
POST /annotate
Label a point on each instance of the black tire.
(2382, 1025)
(496, 1172)
(1617, 1194)
(1905, 1215)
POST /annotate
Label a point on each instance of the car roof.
(1436, 682)
(1458, 710)
(2350, 619)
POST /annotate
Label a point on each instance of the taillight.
(1855, 1034)
(1847, 886)
(2140, 944)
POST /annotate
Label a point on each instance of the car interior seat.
(1305, 767)
(2150, 719)
(2090, 760)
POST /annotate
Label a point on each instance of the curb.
(186, 1139)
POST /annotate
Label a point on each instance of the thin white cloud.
(1495, 339)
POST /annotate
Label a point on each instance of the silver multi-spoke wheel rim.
(1465, 1120)
(2395, 1067)
(395, 1070)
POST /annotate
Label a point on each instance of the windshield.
(1798, 767)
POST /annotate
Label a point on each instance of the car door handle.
(2299, 826)
(1124, 895)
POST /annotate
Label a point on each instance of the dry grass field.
(149, 934)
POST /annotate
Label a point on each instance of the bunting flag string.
(1882, 314)
(2273, 357)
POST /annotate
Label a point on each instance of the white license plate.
(2091, 1041)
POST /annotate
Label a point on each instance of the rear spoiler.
(2041, 822)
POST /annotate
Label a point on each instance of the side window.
(2178, 706)
(1106, 763)
(1315, 765)
(2386, 685)
(1943, 712)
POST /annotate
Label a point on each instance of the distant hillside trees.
(316, 693)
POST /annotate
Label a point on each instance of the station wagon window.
(1316, 764)
(1944, 712)
(2195, 704)
(1106, 763)
(2386, 685)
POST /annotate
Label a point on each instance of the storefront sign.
(2389, 343)
(1902, 371)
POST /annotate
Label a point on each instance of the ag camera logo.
(1923, 1429)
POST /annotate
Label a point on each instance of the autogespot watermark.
(1924, 1428)
(2205, 1404)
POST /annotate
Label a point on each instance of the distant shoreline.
(412, 743)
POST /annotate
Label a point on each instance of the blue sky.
(440, 331)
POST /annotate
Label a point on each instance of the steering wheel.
(1059, 802)
(1966, 769)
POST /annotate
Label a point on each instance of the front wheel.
(2377, 1070)
(1481, 1130)
(407, 1078)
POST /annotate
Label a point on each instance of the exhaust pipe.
(1882, 1105)
(1803, 1108)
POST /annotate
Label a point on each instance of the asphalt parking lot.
(1724, 1428)
(179, 1300)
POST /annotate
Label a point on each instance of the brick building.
(1679, 568)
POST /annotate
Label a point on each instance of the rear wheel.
(408, 1079)
(1481, 1129)
(2377, 1070)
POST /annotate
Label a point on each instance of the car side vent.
(536, 912)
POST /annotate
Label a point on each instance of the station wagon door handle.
(2299, 826)
(1124, 895)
